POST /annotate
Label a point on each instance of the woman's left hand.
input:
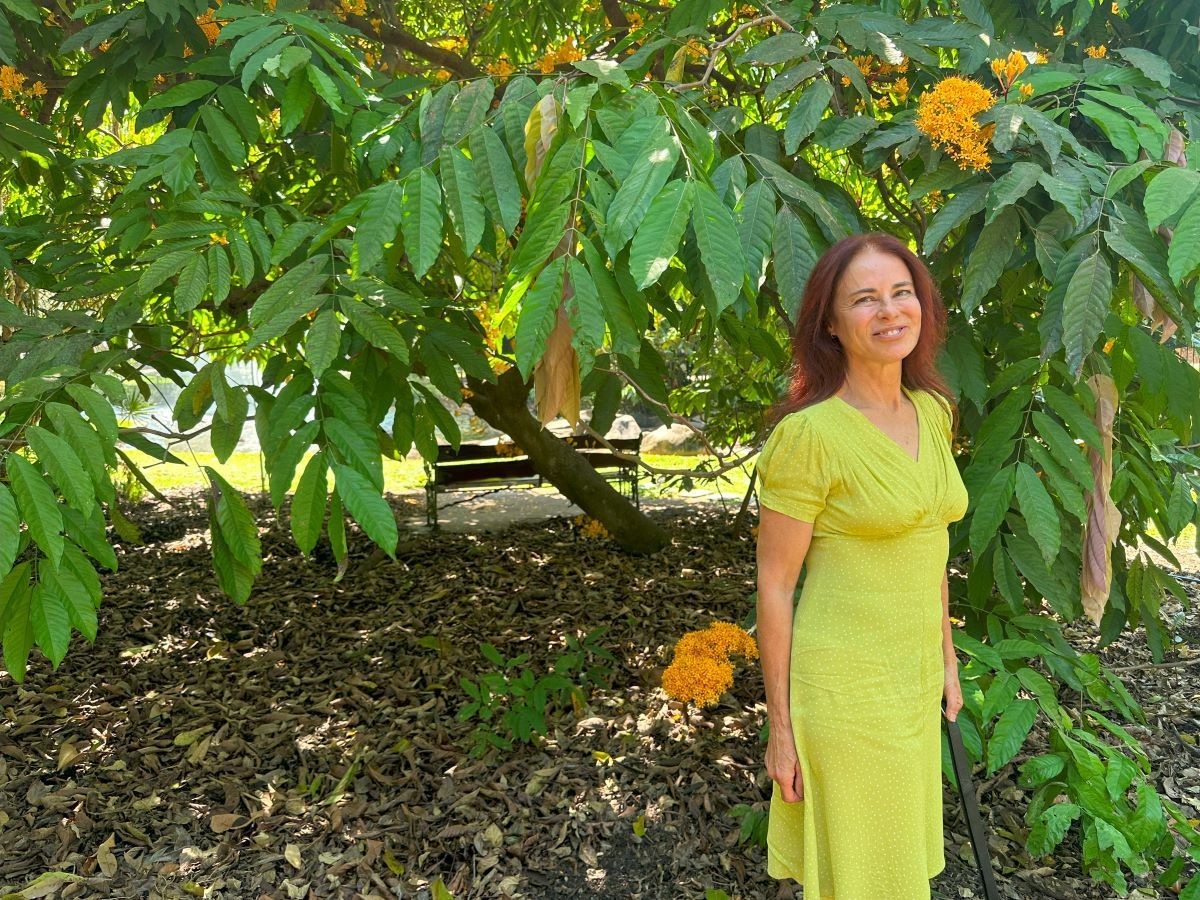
(952, 692)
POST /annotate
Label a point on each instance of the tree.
(387, 206)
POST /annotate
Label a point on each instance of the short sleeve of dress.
(941, 411)
(793, 470)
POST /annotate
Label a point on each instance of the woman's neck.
(876, 388)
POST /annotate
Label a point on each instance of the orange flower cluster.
(634, 18)
(696, 51)
(589, 528)
(882, 78)
(346, 8)
(210, 28)
(1006, 70)
(701, 670)
(946, 114)
(501, 68)
(12, 85)
(566, 52)
(1096, 52)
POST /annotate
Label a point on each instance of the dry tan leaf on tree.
(556, 378)
(1103, 517)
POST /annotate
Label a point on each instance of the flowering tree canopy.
(389, 208)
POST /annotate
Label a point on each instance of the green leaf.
(37, 505)
(991, 508)
(539, 308)
(1012, 186)
(180, 94)
(964, 204)
(585, 312)
(1072, 413)
(720, 247)
(337, 531)
(838, 133)
(468, 110)
(219, 273)
(75, 595)
(1010, 732)
(369, 509)
(640, 187)
(237, 526)
(304, 280)
(1041, 516)
(463, 201)
(1150, 64)
(1069, 493)
(657, 238)
(193, 282)
(1183, 256)
(1168, 192)
(543, 231)
(325, 87)
(308, 504)
(421, 220)
(1119, 130)
(756, 225)
(62, 465)
(50, 621)
(377, 330)
(16, 593)
(1050, 829)
(323, 341)
(496, 178)
(10, 531)
(223, 134)
(794, 257)
(282, 463)
(254, 41)
(789, 185)
(1064, 449)
(778, 48)
(378, 224)
(358, 450)
(805, 113)
(988, 258)
(1085, 307)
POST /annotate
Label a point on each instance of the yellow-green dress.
(866, 662)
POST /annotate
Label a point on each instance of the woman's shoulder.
(814, 418)
(934, 401)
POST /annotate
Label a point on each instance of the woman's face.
(876, 315)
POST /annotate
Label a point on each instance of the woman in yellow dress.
(857, 485)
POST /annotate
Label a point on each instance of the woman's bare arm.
(782, 545)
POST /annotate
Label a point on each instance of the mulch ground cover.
(307, 745)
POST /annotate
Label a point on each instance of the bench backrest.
(468, 452)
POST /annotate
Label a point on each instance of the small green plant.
(513, 702)
(754, 824)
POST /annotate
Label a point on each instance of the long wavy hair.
(818, 360)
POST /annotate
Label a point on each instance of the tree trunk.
(502, 405)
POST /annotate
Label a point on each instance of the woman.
(857, 483)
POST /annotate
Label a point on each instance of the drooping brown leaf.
(556, 377)
(1103, 517)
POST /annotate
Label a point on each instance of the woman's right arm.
(782, 545)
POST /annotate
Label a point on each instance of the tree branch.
(395, 36)
(721, 45)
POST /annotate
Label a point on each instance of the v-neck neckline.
(883, 434)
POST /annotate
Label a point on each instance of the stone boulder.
(675, 439)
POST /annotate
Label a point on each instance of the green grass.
(245, 472)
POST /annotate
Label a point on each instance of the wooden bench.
(501, 464)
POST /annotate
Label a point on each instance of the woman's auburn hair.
(818, 360)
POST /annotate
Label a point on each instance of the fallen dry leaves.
(306, 745)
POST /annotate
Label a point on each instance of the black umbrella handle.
(966, 789)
